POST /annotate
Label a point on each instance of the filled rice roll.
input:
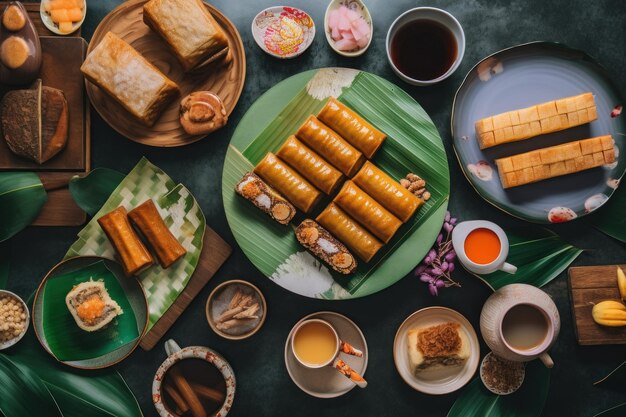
(349, 232)
(132, 253)
(332, 147)
(388, 192)
(325, 246)
(310, 165)
(367, 211)
(288, 182)
(255, 190)
(355, 129)
(148, 220)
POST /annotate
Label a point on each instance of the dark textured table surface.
(264, 387)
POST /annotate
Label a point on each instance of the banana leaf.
(617, 411)
(610, 218)
(616, 379)
(540, 256)
(21, 198)
(92, 191)
(528, 401)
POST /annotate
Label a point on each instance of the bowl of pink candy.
(348, 27)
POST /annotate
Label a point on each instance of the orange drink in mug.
(482, 247)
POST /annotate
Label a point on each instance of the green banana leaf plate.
(519, 77)
(57, 330)
(413, 145)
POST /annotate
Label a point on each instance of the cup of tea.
(482, 247)
(425, 45)
(316, 344)
(195, 380)
(520, 323)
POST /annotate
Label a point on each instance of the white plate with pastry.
(436, 350)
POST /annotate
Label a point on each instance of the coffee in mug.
(524, 327)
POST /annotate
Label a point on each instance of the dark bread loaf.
(35, 122)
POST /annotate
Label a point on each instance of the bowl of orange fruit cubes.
(63, 16)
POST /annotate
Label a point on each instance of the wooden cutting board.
(589, 285)
(215, 251)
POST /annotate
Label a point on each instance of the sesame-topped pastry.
(439, 346)
(325, 246)
(255, 190)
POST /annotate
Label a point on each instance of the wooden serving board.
(589, 285)
(215, 251)
(62, 57)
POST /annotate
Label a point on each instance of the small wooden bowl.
(248, 288)
(16, 339)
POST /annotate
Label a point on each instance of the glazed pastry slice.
(255, 190)
(325, 246)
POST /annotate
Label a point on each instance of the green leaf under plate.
(540, 256)
(610, 218)
(66, 340)
(616, 379)
(92, 191)
(21, 198)
(528, 401)
(617, 411)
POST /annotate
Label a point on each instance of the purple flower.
(450, 267)
(437, 271)
(450, 256)
(453, 221)
(447, 227)
(444, 266)
(439, 238)
(426, 278)
(447, 218)
(433, 289)
(440, 284)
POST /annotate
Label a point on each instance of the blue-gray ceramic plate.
(519, 77)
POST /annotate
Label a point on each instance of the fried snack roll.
(349, 232)
(332, 147)
(148, 220)
(288, 182)
(555, 161)
(355, 129)
(253, 189)
(133, 254)
(325, 246)
(367, 211)
(547, 117)
(388, 192)
(310, 165)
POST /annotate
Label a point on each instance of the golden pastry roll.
(288, 182)
(310, 165)
(367, 211)
(355, 129)
(387, 191)
(148, 220)
(132, 253)
(332, 147)
(349, 232)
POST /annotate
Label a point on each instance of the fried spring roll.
(325, 246)
(367, 211)
(288, 182)
(388, 192)
(349, 232)
(132, 253)
(355, 129)
(310, 165)
(148, 220)
(255, 190)
(332, 147)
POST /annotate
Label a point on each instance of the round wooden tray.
(224, 79)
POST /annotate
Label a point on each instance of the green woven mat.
(181, 214)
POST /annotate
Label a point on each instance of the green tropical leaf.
(616, 379)
(540, 256)
(617, 411)
(610, 217)
(21, 198)
(528, 401)
(23, 392)
(92, 190)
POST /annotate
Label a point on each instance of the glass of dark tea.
(425, 45)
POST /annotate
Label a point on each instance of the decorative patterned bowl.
(283, 31)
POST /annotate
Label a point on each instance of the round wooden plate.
(224, 79)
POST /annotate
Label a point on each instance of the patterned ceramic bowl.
(283, 31)
(176, 354)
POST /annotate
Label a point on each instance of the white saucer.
(441, 381)
(327, 382)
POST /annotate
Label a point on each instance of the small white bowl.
(13, 341)
(437, 15)
(47, 20)
(264, 31)
(360, 7)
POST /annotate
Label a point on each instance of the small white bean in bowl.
(14, 319)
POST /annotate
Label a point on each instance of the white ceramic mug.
(335, 361)
(437, 15)
(459, 235)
